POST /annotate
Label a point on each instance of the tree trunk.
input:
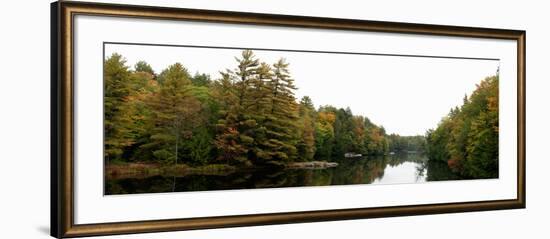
(176, 129)
(177, 142)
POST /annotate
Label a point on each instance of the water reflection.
(400, 168)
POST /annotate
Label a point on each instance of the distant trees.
(467, 138)
(248, 116)
(398, 143)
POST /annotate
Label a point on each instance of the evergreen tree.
(142, 66)
(201, 80)
(257, 104)
(257, 101)
(139, 115)
(176, 112)
(199, 147)
(116, 91)
(343, 127)
(228, 142)
(280, 125)
(237, 126)
(306, 129)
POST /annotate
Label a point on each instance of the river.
(390, 169)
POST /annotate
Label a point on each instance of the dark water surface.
(391, 169)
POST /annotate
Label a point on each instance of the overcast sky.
(406, 95)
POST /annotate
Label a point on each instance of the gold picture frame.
(62, 121)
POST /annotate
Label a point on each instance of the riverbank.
(311, 165)
(143, 170)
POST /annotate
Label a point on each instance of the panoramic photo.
(198, 118)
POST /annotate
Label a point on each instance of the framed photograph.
(170, 119)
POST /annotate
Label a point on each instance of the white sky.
(406, 95)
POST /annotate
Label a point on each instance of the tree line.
(248, 116)
(407, 144)
(467, 138)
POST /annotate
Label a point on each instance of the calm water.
(391, 169)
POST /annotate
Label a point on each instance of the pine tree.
(230, 148)
(199, 147)
(137, 114)
(117, 89)
(280, 122)
(176, 112)
(235, 129)
(257, 101)
(201, 80)
(142, 66)
(343, 127)
(306, 129)
(256, 105)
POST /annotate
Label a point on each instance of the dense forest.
(247, 116)
(467, 138)
(407, 144)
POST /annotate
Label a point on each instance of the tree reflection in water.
(363, 170)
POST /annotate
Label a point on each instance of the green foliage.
(176, 74)
(199, 147)
(324, 132)
(117, 90)
(248, 116)
(175, 113)
(467, 138)
(338, 131)
(343, 125)
(376, 142)
(201, 80)
(280, 118)
(142, 66)
(235, 129)
(258, 113)
(306, 129)
(399, 143)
